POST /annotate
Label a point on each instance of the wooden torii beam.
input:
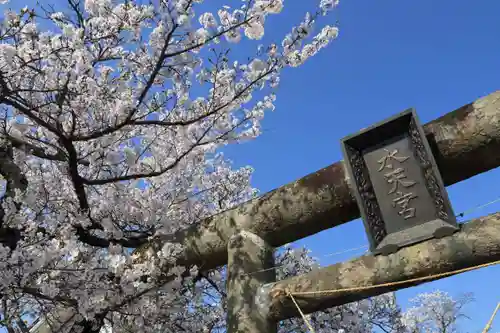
(465, 142)
(477, 243)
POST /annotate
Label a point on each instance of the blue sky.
(432, 55)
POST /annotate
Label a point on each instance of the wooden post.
(249, 261)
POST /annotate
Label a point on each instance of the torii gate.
(465, 142)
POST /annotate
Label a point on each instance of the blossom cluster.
(114, 116)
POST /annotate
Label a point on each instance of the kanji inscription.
(398, 181)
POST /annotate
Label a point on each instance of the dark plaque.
(397, 185)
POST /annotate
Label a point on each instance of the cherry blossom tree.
(435, 312)
(114, 114)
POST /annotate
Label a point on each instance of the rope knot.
(278, 292)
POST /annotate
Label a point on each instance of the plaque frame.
(404, 125)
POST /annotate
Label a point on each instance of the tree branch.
(15, 181)
(85, 236)
(156, 70)
(34, 150)
(142, 96)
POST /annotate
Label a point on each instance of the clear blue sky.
(391, 55)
